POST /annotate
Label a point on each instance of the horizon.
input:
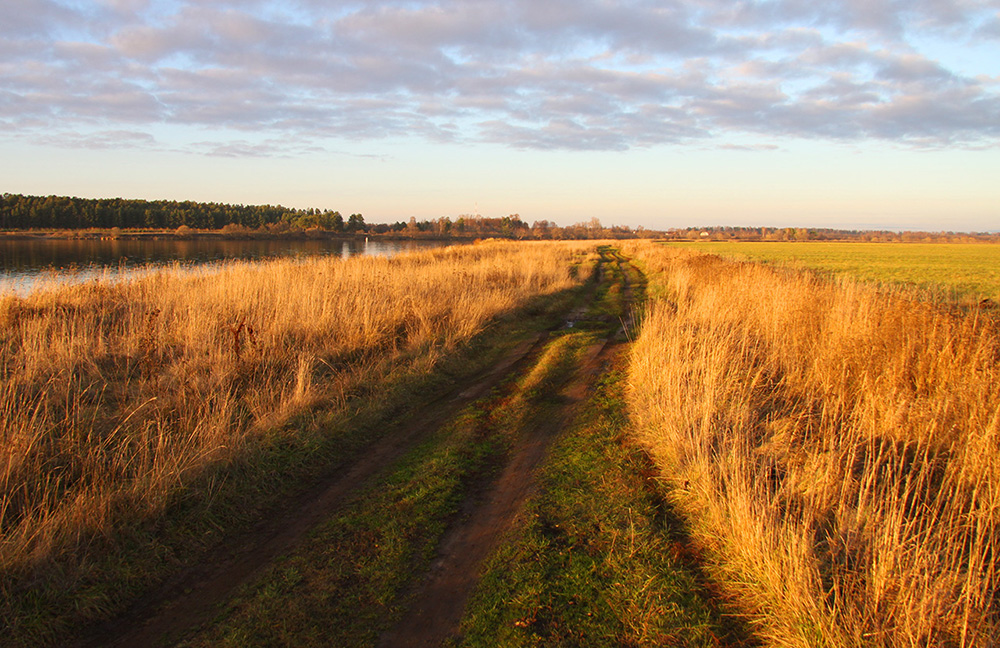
(605, 225)
(875, 116)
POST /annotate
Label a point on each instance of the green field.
(968, 271)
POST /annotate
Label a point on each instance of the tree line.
(19, 212)
(721, 233)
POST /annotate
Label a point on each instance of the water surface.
(27, 264)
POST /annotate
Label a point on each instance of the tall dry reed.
(837, 447)
(115, 396)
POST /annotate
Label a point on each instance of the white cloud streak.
(561, 74)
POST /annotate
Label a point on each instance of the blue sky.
(842, 113)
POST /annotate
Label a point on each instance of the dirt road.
(437, 599)
(440, 598)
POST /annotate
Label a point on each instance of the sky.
(859, 114)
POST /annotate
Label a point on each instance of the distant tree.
(355, 223)
(541, 229)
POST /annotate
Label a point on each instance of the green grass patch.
(968, 271)
(609, 298)
(597, 560)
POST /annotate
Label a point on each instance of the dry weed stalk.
(835, 444)
(116, 396)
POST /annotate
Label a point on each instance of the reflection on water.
(27, 263)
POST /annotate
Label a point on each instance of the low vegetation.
(124, 403)
(832, 444)
(947, 271)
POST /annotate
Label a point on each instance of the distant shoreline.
(219, 235)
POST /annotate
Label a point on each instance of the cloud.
(115, 139)
(246, 148)
(878, 18)
(563, 74)
(750, 147)
(990, 28)
(28, 18)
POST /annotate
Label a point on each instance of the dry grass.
(115, 397)
(835, 446)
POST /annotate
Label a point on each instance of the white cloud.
(565, 74)
(113, 139)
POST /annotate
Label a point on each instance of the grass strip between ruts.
(599, 560)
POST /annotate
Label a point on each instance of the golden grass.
(834, 445)
(117, 396)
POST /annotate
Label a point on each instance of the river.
(26, 265)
